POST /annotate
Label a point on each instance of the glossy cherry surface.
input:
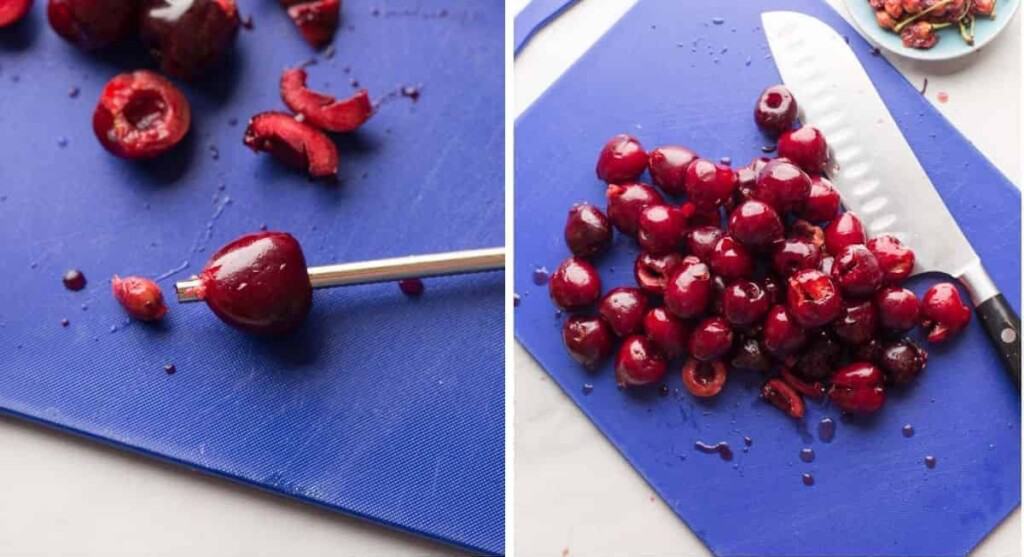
(856, 271)
(668, 165)
(623, 309)
(12, 11)
(857, 322)
(844, 231)
(822, 201)
(710, 339)
(782, 185)
(782, 335)
(639, 363)
(627, 201)
(709, 185)
(744, 303)
(819, 356)
(652, 272)
(943, 312)
(701, 241)
(188, 37)
(317, 20)
(776, 110)
(858, 388)
(689, 290)
(322, 110)
(731, 260)
(805, 146)
(812, 298)
(295, 144)
(140, 115)
(588, 232)
(91, 24)
(622, 159)
(755, 224)
(782, 396)
(669, 333)
(258, 283)
(794, 254)
(661, 229)
(575, 284)
(902, 361)
(895, 259)
(898, 309)
(589, 340)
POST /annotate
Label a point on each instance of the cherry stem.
(899, 26)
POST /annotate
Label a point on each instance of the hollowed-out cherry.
(624, 308)
(812, 298)
(589, 340)
(704, 379)
(575, 284)
(805, 146)
(639, 363)
(669, 333)
(895, 259)
(627, 201)
(898, 309)
(622, 159)
(652, 272)
(588, 232)
(943, 312)
(667, 165)
(776, 110)
(858, 388)
(709, 185)
(140, 115)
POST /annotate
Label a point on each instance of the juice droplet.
(808, 480)
(587, 388)
(826, 430)
(541, 276)
(930, 461)
(663, 390)
(65, 322)
(722, 448)
(515, 300)
(747, 440)
(908, 430)
(169, 369)
(807, 455)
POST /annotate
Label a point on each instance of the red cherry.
(140, 115)
(856, 271)
(813, 299)
(140, 297)
(652, 272)
(895, 259)
(709, 185)
(622, 159)
(627, 201)
(755, 224)
(701, 241)
(11, 11)
(822, 201)
(782, 396)
(661, 229)
(669, 334)
(776, 110)
(943, 312)
(588, 232)
(782, 185)
(806, 147)
(744, 303)
(858, 388)
(624, 308)
(575, 284)
(668, 166)
(782, 335)
(294, 143)
(322, 110)
(639, 363)
(589, 340)
(844, 231)
(710, 339)
(898, 309)
(688, 291)
(857, 322)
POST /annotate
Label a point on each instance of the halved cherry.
(140, 115)
(317, 20)
(11, 11)
(322, 110)
(704, 379)
(783, 397)
(813, 389)
(294, 143)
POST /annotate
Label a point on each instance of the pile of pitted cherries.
(752, 269)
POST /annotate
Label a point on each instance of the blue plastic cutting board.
(669, 73)
(383, 407)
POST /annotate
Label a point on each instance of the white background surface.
(574, 494)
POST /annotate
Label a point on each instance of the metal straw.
(385, 270)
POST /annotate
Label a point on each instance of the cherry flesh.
(294, 143)
(943, 312)
(140, 297)
(317, 20)
(622, 159)
(652, 272)
(812, 298)
(704, 379)
(140, 115)
(589, 340)
(782, 396)
(322, 110)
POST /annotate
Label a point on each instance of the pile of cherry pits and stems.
(789, 286)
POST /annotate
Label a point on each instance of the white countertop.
(557, 446)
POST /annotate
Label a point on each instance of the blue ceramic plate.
(950, 44)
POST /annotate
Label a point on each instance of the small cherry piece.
(782, 335)
(639, 363)
(744, 303)
(11, 11)
(627, 201)
(93, 24)
(575, 284)
(805, 146)
(188, 37)
(622, 159)
(317, 20)
(813, 389)
(322, 110)
(709, 185)
(730, 260)
(589, 340)
(710, 339)
(782, 396)
(652, 272)
(822, 201)
(856, 271)
(140, 297)
(858, 388)
(898, 309)
(755, 224)
(857, 322)
(895, 259)
(813, 299)
(258, 283)
(294, 143)
(688, 291)
(782, 185)
(704, 379)
(775, 110)
(624, 308)
(903, 361)
(844, 231)
(668, 166)
(140, 115)
(943, 313)
(661, 229)
(588, 233)
(669, 333)
(73, 280)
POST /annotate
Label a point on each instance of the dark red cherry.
(857, 322)
(782, 396)
(750, 355)
(140, 297)
(661, 229)
(895, 259)
(140, 115)
(624, 308)
(856, 271)
(755, 224)
(701, 241)
(322, 110)
(858, 388)
(902, 361)
(653, 271)
(588, 232)
(589, 340)
(704, 379)
(627, 201)
(805, 146)
(822, 201)
(669, 333)
(689, 290)
(898, 309)
(639, 363)
(776, 110)
(731, 260)
(812, 298)
(744, 303)
(943, 312)
(710, 339)
(782, 335)
(709, 185)
(782, 185)
(91, 24)
(794, 254)
(844, 231)
(188, 37)
(819, 357)
(668, 166)
(295, 144)
(622, 159)
(258, 283)
(575, 284)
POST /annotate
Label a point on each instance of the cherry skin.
(858, 388)
(589, 340)
(622, 159)
(898, 309)
(188, 37)
(782, 396)
(856, 271)
(895, 259)
(709, 185)
(258, 283)
(805, 387)
(710, 339)
(623, 309)
(140, 115)
(588, 233)
(776, 110)
(822, 201)
(805, 146)
(704, 379)
(93, 24)
(639, 363)
(819, 356)
(688, 292)
(857, 322)
(749, 354)
(12, 11)
(661, 229)
(627, 201)
(322, 110)
(782, 335)
(575, 284)
(903, 361)
(844, 231)
(730, 259)
(782, 185)
(295, 144)
(140, 297)
(701, 241)
(668, 166)
(669, 334)
(317, 20)
(794, 254)
(755, 224)
(744, 303)
(652, 272)
(943, 312)
(813, 299)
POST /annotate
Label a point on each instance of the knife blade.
(836, 95)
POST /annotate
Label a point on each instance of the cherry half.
(322, 110)
(294, 143)
(258, 283)
(140, 115)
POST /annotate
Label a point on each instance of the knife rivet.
(1008, 335)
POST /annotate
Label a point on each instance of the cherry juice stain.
(74, 280)
(410, 92)
(908, 431)
(930, 461)
(541, 276)
(170, 369)
(826, 430)
(722, 448)
(808, 479)
(807, 455)
(411, 287)
(587, 388)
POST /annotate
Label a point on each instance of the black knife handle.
(1003, 327)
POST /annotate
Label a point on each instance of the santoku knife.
(836, 96)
